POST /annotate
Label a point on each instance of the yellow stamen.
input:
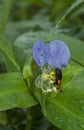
(52, 75)
(45, 76)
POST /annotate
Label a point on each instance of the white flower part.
(51, 81)
(49, 90)
(54, 88)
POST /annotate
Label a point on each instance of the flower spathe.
(55, 53)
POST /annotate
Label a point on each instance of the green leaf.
(69, 73)
(6, 49)
(2, 65)
(67, 12)
(66, 110)
(10, 67)
(76, 46)
(20, 56)
(14, 92)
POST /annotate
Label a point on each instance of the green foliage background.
(23, 106)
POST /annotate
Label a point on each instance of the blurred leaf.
(13, 34)
(3, 118)
(26, 25)
(5, 128)
(42, 15)
(7, 5)
(37, 2)
(66, 110)
(14, 92)
(78, 12)
(58, 7)
(7, 53)
(67, 12)
(76, 46)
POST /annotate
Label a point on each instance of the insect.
(58, 77)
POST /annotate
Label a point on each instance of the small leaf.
(14, 92)
(28, 70)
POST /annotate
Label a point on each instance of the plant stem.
(5, 15)
(29, 119)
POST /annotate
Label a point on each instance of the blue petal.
(59, 54)
(56, 54)
(38, 53)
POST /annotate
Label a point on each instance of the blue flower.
(55, 53)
